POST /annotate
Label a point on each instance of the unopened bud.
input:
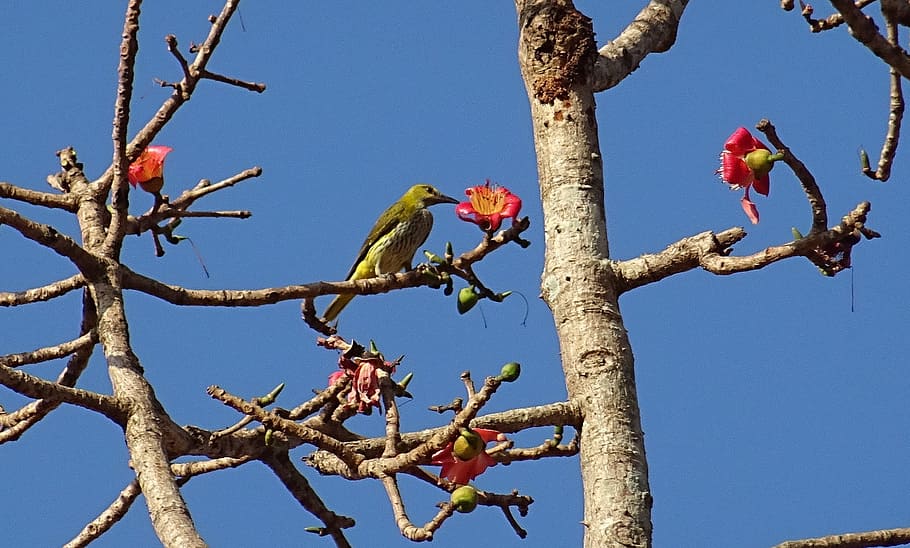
(464, 499)
(467, 298)
(406, 381)
(510, 372)
(433, 258)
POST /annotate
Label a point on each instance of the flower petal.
(749, 208)
(741, 142)
(734, 171)
(762, 185)
(149, 164)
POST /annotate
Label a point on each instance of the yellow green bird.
(395, 237)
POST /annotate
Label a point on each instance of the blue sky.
(771, 411)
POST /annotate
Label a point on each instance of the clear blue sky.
(771, 411)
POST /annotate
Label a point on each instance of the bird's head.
(426, 195)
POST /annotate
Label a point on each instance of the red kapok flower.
(488, 204)
(745, 163)
(364, 392)
(463, 471)
(148, 169)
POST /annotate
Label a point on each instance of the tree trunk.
(557, 53)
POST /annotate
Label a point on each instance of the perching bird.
(395, 237)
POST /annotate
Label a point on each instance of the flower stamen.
(487, 199)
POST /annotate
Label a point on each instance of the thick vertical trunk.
(557, 54)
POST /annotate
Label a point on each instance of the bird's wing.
(386, 222)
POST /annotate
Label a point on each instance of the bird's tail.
(336, 306)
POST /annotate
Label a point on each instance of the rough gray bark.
(562, 69)
(557, 55)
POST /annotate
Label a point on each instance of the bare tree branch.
(863, 28)
(48, 236)
(895, 115)
(407, 528)
(300, 488)
(258, 297)
(176, 209)
(129, 47)
(107, 519)
(885, 537)
(818, 25)
(678, 257)
(35, 387)
(813, 193)
(49, 352)
(182, 90)
(652, 31)
(54, 201)
(258, 87)
(13, 425)
(830, 250)
(44, 293)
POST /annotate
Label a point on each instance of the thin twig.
(407, 528)
(895, 117)
(810, 187)
(110, 516)
(275, 422)
(819, 25)
(258, 87)
(301, 489)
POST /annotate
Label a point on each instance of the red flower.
(745, 163)
(488, 204)
(148, 169)
(364, 392)
(463, 471)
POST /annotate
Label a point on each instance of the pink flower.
(745, 163)
(364, 392)
(148, 169)
(488, 204)
(463, 471)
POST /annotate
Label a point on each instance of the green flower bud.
(797, 235)
(464, 499)
(433, 258)
(467, 298)
(468, 444)
(406, 381)
(510, 372)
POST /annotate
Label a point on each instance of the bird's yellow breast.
(395, 250)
